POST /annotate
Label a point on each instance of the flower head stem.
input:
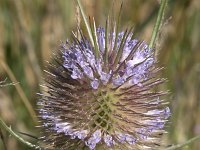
(20, 139)
(158, 23)
(178, 146)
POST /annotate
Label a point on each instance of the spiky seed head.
(102, 96)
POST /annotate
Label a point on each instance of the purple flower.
(102, 95)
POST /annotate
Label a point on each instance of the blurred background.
(31, 30)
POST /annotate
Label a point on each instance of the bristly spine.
(100, 93)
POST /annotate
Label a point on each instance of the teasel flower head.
(100, 93)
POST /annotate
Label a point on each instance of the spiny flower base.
(103, 100)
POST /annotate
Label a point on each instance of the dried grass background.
(31, 30)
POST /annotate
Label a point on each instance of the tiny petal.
(96, 138)
(121, 137)
(130, 139)
(82, 134)
(118, 81)
(105, 77)
(133, 62)
(76, 73)
(95, 84)
(90, 57)
(163, 112)
(91, 143)
(88, 71)
(108, 140)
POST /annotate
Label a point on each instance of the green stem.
(20, 139)
(158, 23)
(184, 144)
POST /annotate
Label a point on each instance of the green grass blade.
(158, 23)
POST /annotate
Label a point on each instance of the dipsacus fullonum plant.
(100, 93)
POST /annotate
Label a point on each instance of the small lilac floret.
(104, 77)
(148, 63)
(81, 134)
(130, 139)
(73, 136)
(91, 143)
(136, 79)
(94, 139)
(90, 57)
(108, 140)
(97, 135)
(79, 56)
(76, 74)
(142, 132)
(118, 81)
(129, 72)
(98, 67)
(128, 47)
(46, 115)
(162, 112)
(101, 39)
(67, 130)
(63, 127)
(95, 84)
(156, 124)
(134, 61)
(121, 137)
(88, 71)
(166, 112)
(45, 124)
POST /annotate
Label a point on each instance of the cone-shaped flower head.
(101, 96)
